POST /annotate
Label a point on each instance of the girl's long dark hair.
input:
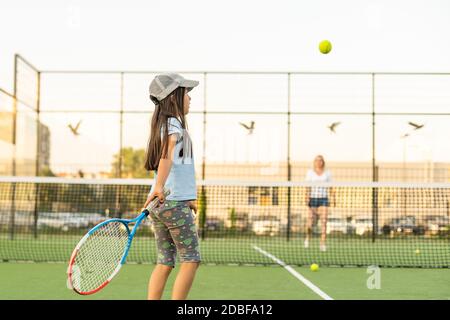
(171, 106)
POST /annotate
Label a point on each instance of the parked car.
(240, 223)
(436, 224)
(213, 224)
(266, 225)
(62, 220)
(21, 218)
(363, 226)
(4, 217)
(93, 218)
(24, 218)
(51, 220)
(337, 225)
(75, 220)
(403, 225)
(297, 223)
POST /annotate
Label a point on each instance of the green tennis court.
(341, 251)
(257, 257)
(48, 281)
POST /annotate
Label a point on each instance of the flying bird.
(333, 126)
(415, 125)
(406, 135)
(75, 129)
(250, 128)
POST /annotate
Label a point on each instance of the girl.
(169, 153)
(317, 199)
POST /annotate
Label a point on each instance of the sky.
(206, 35)
(367, 35)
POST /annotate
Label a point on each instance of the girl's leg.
(323, 213)
(166, 255)
(185, 237)
(184, 280)
(158, 281)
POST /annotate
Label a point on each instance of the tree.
(132, 164)
(45, 171)
(232, 217)
(202, 211)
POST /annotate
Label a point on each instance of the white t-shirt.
(318, 192)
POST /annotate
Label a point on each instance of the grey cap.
(164, 84)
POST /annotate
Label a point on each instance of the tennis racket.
(100, 254)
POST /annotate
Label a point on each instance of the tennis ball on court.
(325, 46)
(314, 267)
(417, 251)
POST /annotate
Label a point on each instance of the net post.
(38, 151)
(14, 159)
(289, 172)
(374, 213)
(288, 231)
(36, 211)
(202, 204)
(119, 166)
(118, 204)
(374, 168)
(13, 211)
(14, 141)
(202, 212)
(447, 208)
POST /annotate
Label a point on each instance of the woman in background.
(317, 199)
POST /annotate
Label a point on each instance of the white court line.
(305, 281)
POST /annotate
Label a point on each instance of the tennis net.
(384, 224)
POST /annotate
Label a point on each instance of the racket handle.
(154, 203)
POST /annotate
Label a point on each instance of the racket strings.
(99, 256)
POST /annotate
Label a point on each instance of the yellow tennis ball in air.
(314, 267)
(325, 46)
(417, 251)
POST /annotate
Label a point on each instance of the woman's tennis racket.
(100, 254)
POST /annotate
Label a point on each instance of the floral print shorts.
(175, 231)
